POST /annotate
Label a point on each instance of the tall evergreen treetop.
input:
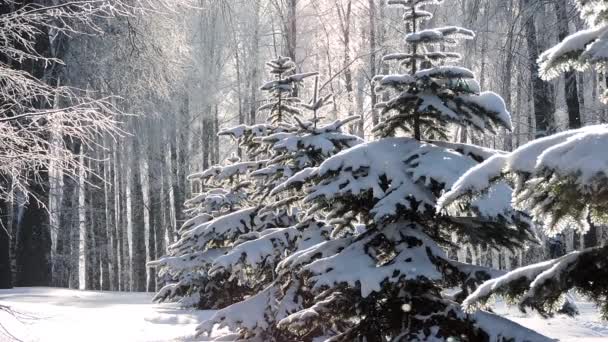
(430, 95)
(282, 105)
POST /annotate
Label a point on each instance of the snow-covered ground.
(60, 315)
(586, 327)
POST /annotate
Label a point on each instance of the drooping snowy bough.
(563, 181)
(583, 49)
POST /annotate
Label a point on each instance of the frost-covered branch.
(561, 180)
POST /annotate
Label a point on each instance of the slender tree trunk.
(34, 252)
(123, 220)
(91, 279)
(541, 91)
(175, 192)
(118, 217)
(581, 95)
(508, 73)
(215, 137)
(165, 212)
(206, 138)
(255, 52)
(6, 274)
(292, 30)
(71, 210)
(344, 14)
(239, 82)
(372, 60)
(570, 81)
(110, 213)
(16, 214)
(138, 242)
(101, 235)
(178, 165)
(154, 213)
(517, 116)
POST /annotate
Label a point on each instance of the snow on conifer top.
(325, 139)
(409, 4)
(281, 104)
(430, 95)
(228, 171)
(357, 171)
(224, 230)
(256, 254)
(393, 178)
(356, 267)
(436, 36)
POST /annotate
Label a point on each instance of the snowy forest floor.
(61, 315)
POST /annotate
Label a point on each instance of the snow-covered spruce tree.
(254, 255)
(229, 199)
(381, 274)
(230, 204)
(300, 144)
(225, 198)
(235, 207)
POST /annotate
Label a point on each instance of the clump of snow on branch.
(583, 49)
(566, 164)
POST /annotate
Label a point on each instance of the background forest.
(175, 74)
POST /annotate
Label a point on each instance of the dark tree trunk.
(215, 137)
(178, 152)
(570, 81)
(71, 218)
(151, 253)
(91, 264)
(590, 239)
(178, 195)
(111, 231)
(207, 130)
(6, 276)
(253, 79)
(68, 222)
(372, 60)
(101, 237)
(543, 111)
(154, 213)
(138, 258)
(34, 253)
(121, 223)
(161, 208)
